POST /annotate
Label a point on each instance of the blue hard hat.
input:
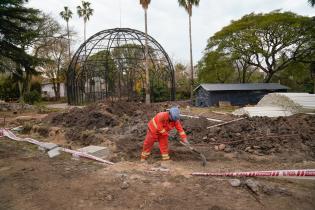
(174, 112)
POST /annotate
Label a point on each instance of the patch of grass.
(43, 109)
(201, 110)
(228, 109)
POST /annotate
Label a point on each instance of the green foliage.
(311, 2)
(256, 77)
(215, 67)
(159, 92)
(36, 85)
(104, 67)
(182, 82)
(32, 97)
(268, 41)
(187, 4)
(66, 14)
(18, 29)
(297, 76)
(23, 30)
(85, 11)
(8, 88)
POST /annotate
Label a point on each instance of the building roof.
(242, 86)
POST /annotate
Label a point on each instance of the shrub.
(8, 88)
(32, 97)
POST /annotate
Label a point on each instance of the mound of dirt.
(196, 129)
(263, 135)
(88, 118)
(84, 138)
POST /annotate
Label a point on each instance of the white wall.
(48, 91)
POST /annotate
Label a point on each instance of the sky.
(167, 22)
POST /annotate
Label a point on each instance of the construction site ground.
(29, 179)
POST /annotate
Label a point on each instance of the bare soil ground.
(29, 179)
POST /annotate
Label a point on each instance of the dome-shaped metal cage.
(111, 65)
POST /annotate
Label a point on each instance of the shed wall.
(235, 97)
(202, 98)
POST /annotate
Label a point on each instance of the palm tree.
(188, 4)
(66, 14)
(145, 5)
(85, 11)
(311, 2)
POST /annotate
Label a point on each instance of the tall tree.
(19, 28)
(271, 41)
(215, 67)
(298, 81)
(244, 70)
(56, 62)
(188, 4)
(182, 81)
(66, 14)
(85, 11)
(145, 5)
(311, 2)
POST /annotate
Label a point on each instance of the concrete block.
(54, 152)
(101, 152)
(48, 146)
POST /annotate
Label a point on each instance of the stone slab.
(54, 152)
(48, 146)
(98, 151)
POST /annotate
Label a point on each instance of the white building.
(48, 90)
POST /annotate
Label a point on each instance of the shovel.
(202, 157)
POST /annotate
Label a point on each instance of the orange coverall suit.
(158, 129)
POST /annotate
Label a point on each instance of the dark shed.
(236, 94)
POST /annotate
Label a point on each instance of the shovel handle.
(188, 146)
(203, 158)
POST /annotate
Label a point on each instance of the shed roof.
(243, 86)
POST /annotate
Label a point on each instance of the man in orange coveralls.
(158, 129)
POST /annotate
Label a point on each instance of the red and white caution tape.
(278, 173)
(11, 135)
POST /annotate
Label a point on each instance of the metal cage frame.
(104, 53)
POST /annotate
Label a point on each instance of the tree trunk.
(244, 75)
(147, 76)
(69, 54)
(84, 40)
(55, 88)
(68, 33)
(84, 30)
(27, 82)
(58, 91)
(20, 83)
(21, 98)
(268, 77)
(191, 62)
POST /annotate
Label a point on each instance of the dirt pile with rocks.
(263, 135)
(125, 124)
(88, 125)
(88, 118)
